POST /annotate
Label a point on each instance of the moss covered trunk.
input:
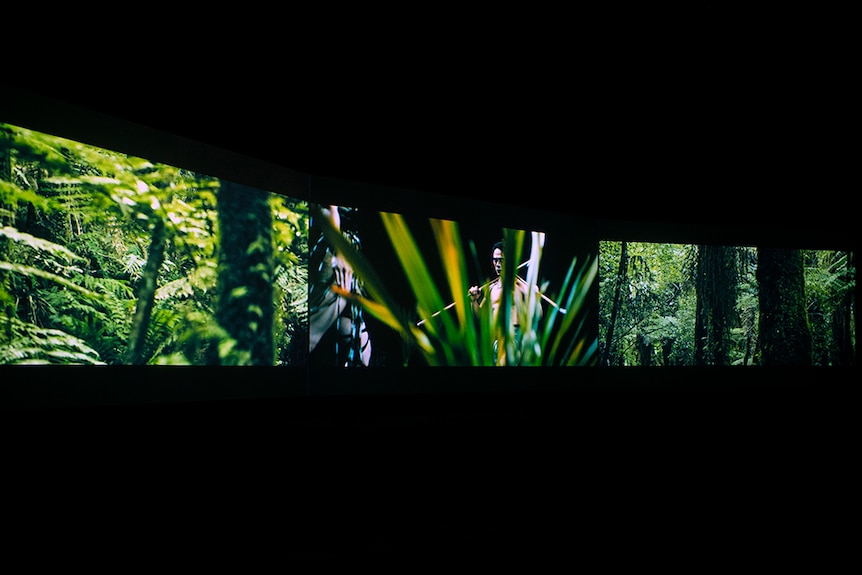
(716, 284)
(245, 269)
(785, 336)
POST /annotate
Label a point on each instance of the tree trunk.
(785, 336)
(621, 279)
(716, 283)
(6, 215)
(699, 327)
(842, 322)
(245, 271)
(6, 211)
(645, 350)
(748, 325)
(666, 349)
(146, 295)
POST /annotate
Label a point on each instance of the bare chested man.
(495, 293)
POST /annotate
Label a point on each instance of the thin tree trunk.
(7, 214)
(699, 325)
(666, 349)
(146, 295)
(621, 278)
(645, 350)
(748, 325)
(842, 321)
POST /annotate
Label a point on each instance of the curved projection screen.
(113, 260)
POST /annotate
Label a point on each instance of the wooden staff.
(544, 297)
(486, 284)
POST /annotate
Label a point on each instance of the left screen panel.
(112, 259)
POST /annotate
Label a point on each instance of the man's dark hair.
(497, 245)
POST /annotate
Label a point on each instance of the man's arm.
(475, 294)
(521, 287)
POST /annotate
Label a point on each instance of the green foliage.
(830, 283)
(30, 344)
(654, 301)
(42, 248)
(661, 297)
(75, 228)
(464, 338)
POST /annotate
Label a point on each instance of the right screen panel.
(668, 304)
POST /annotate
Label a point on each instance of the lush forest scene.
(708, 305)
(110, 259)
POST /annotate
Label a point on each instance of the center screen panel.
(393, 290)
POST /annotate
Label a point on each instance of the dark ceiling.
(702, 113)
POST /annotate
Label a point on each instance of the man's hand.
(343, 273)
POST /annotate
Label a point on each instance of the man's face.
(497, 260)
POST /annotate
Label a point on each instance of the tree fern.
(77, 223)
(31, 344)
(164, 325)
(42, 247)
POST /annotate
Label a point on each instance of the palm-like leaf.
(460, 338)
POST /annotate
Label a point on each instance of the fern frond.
(13, 195)
(161, 332)
(114, 288)
(35, 272)
(28, 343)
(41, 245)
(201, 278)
